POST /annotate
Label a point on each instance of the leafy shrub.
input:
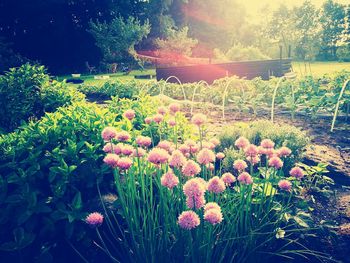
(26, 93)
(281, 134)
(20, 94)
(48, 174)
(58, 94)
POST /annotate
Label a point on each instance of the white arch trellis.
(338, 103)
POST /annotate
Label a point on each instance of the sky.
(253, 6)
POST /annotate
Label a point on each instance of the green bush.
(281, 134)
(27, 93)
(20, 94)
(58, 94)
(48, 173)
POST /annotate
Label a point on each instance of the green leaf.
(269, 190)
(77, 202)
(300, 222)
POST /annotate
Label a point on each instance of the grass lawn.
(89, 79)
(319, 68)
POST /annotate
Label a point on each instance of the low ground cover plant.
(175, 203)
(116, 88)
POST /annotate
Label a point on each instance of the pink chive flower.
(253, 160)
(210, 167)
(251, 150)
(205, 156)
(166, 145)
(169, 180)
(174, 107)
(285, 185)
(284, 152)
(190, 143)
(297, 172)
(162, 110)
(216, 185)
(193, 147)
(94, 219)
(184, 149)
(124, 163)
(148, 120)
(143, 141)
(188, 220)
(220, 156)
(214, 141)
(129, 114)
(118, 148)
(195, 202)
(208, 145)
(211, 205)
(261, 150)
(228, 178)
(199, 119)
(241, 142)
(111, 160)
(276, 162)
(177, 159)
(123, 136)
(172, 122)
(267, 143)
(245, 178)
(203, 182)
(127, 149)
(240, 165)
(139, 152)
(270, 152)
(194, 187)
(213, 216)
(158, 118)
(158, 156)
(108, 133)
(108, 148)
(191, 168)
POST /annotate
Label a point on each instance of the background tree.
(279, 29)
(307, 27)
(117, 39)
(333, 24)
(176, 45)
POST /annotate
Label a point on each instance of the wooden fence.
(210, 72)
